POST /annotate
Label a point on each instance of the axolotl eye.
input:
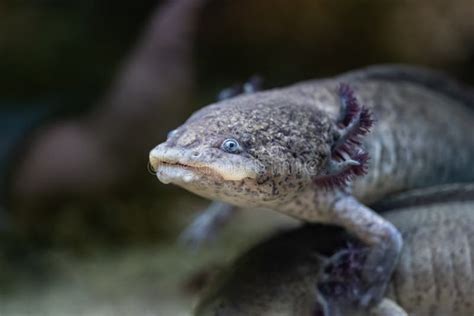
(231, 145)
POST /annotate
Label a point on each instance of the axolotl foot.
(348, 278)
(382, 246)
(342, 274)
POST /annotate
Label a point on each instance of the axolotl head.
(253, 150)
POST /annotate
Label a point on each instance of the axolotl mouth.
(181, 166)
(174, 172)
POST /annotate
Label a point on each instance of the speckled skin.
(435, 275)
(421, 138)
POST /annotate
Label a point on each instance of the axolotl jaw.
(247, 151)
(202, 170)
(180, 165)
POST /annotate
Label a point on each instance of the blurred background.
(86, 229)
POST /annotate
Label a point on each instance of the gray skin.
(435, 275)
(286, 143)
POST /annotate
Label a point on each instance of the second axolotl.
(322, 151)
(290, 274)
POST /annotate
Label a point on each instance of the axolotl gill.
(322, 150)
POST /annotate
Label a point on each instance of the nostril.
(196, 154)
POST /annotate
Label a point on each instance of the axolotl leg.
(383, 239)
(206, 225)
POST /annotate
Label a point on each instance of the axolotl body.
(321, 151)
(288, 275)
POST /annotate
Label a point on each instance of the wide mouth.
(158, 166)
(177, 161)
(176, 172)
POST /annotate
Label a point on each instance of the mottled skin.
(435, 275)
(287, 139)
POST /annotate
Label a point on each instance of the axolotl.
(323, 150)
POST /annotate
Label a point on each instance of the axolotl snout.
(303, 151)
